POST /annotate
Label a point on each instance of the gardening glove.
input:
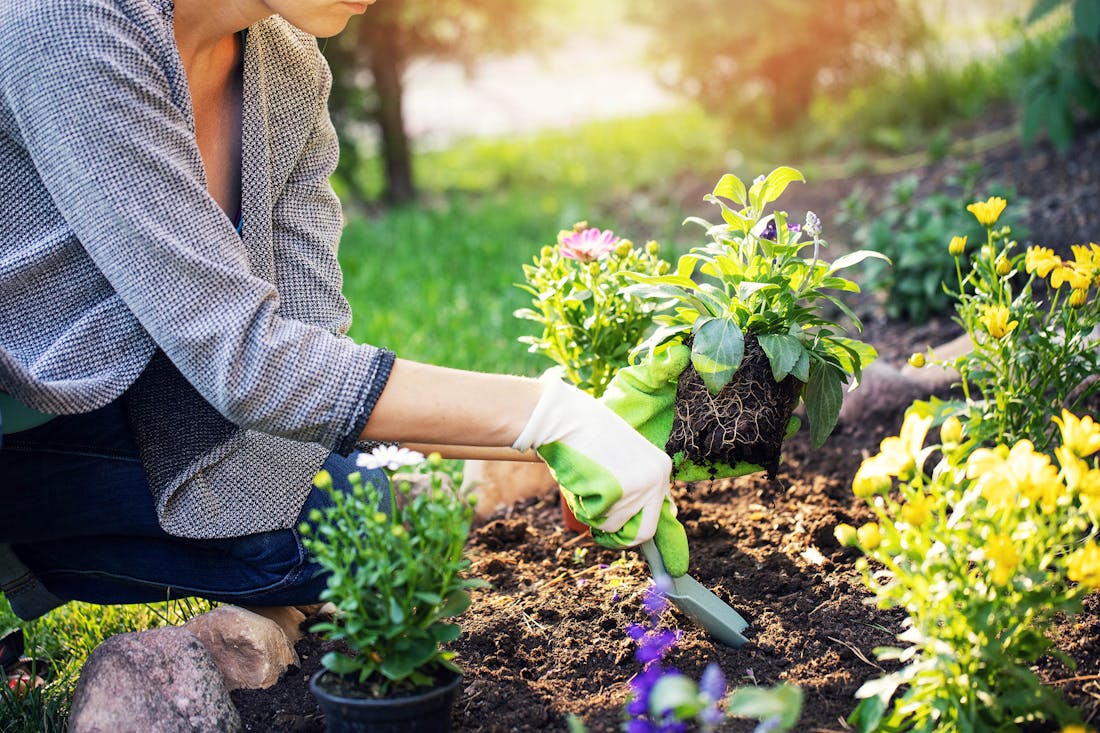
(613, 479)
(645, 394)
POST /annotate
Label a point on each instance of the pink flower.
(586, 245)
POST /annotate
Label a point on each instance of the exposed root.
(744, 422)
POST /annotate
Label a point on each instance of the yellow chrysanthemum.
(917, 510)
(903, 454)
(1001, 551)
(987, 212)
(1002, 476)
(995, 320)
(1080, 435)
(869, 536)
(871, 478)
(1041, 260)
(1078, 298)
(1074, 728)
(957, 246)
(1084, 566)
(1068, 273)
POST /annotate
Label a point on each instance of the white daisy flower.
(391, 457)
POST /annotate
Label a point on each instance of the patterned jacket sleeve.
(94, 107)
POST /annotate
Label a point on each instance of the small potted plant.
(396, 578)
(756, 313)
(589, 323)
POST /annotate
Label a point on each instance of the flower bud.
(869, 536)
(951, 432)
(323, 480)
(1077, 297)
(315, 515)
(593, 268)
(868, 483)
(846, 535)
(957, 246)
(651, 247)
(1002, 265)
(987, 252)
(580, 226)
(663, 267)
(916, 360)
(435, 460)
(622, 249)
(546, 252)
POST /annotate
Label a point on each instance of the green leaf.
(457, 602)
(1042, 8)
(444, 633)
(782, 703)
(777, 181)
(824, 394)
(783, 351)
(730, 186)
(338, 663)
(397, 614)
(417, 652)
(854, 258)
(717, 351)
(801, 369)
(1086, 18)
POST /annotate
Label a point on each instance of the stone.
(288, 618)
(154, 681)
(498, 484)
(251, 651)
(936, 378)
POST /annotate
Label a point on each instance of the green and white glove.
(645, 394)
(613, 479)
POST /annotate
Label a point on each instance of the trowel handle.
(653, 557)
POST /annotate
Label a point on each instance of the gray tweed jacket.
(121, 278)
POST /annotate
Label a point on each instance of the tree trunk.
(386, 66)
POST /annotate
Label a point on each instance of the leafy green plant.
(981, 553)
(589, 322)
(910, 230)
(395, 576)
(753, 278)
(1071, 82)
(1033, 353)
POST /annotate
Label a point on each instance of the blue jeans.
(76, 511)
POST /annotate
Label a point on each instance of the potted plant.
(756, 313)
(589, 322)
(396, 578)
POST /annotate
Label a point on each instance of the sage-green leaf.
(457, 602)
(717, 351)
(339, 663)
(782, 703)
(854, 258)
(730, 186)
(801, 368)
(823, 396)
(397, 614)
(783, 351)
(444, 633)
(777, 181)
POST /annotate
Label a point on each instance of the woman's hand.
(614, 480)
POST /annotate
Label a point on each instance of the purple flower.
(635, 631)
(655, 597)
(655, 644)
(640, 725)
(713, 682)
(642, 684)
(769, 230)
(586, 245)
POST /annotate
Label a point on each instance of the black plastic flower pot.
(426, 712)
(746, 420)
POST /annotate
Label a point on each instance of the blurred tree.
(765, 62)
(370, 58)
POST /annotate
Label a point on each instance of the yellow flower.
(987, 212)
(917, 510)
(995, 320)
(904, 454)
(1041, 260)
(916, 360)
(871, 479)
(951, 432)
(1084, 566)
(1068, 273)
(846, 535)
(1002, 265)
(1074, 728)
(957, 246)
(869, 536)
(1082, 436)
(1001, 551)
(1002, 476)
(1078, 297)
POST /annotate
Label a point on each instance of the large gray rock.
(250, 650)
(155, 681)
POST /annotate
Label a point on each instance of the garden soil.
(547, 639)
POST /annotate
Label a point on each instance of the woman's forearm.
(431, 405)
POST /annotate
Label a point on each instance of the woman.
(173, 361)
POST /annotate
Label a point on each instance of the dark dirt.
(548, 638)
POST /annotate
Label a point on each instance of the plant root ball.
(745, 421)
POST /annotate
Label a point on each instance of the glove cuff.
(541, 422)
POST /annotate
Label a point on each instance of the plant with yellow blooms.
(981, 552)
(1030, 316)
